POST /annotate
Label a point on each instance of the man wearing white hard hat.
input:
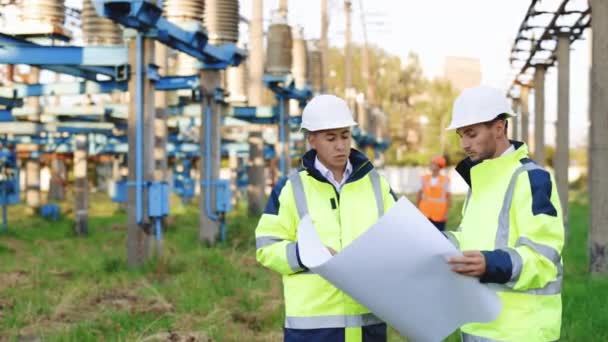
(512, 231)
(344, 195)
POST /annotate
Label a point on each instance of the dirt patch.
(15, 246)
(5, 305)
(193, 336)
(250, 319)
(13, 278)
(61, 273)
(129, 301)
(119, 227)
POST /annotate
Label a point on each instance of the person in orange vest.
(434, 194)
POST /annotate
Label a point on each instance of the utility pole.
(141, 139)
(324, 46)
(562, 146)
(348, 53)
(598, 141)
(368, 77)
(81, 186)
(539, 113)
(256, 54)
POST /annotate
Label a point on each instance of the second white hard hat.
(326, 112)
(477, 105)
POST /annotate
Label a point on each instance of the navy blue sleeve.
(272, 206)
(498, 267)
(541, 187)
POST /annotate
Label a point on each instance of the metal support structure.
(255, 172)
(209, 223)
(539, 114)
(81, 187)
(562, 145)
(525, 115)
(141, 143)
(160, 122)
(598, 142)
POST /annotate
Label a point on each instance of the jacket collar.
(361, 165)
(464, 167)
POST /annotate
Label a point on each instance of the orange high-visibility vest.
(434, 202)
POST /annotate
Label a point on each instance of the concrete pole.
(58, 179)
(140, 234)
(539, 114)
(283, 148)
(598, 146)
(283, 8)
(81, 187)
(208, 227)
(515, 120)
(32, 165)
(525, 115)
(256, 54)
(562, 146)
(255, 173)
(348, 53)
(233, 166)
(324, 46)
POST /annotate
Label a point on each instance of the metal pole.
(539, 114)
(562, 149)
(598, 141)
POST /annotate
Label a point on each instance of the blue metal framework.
(10, 46)
(147, 19)
(284, 89)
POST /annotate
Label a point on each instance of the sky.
(434, 29)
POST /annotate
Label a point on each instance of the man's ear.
(311, 139)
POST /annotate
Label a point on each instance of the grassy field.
(57, 287)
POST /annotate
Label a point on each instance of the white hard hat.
(477, 105)
(326, 112)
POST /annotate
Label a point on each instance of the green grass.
(59, 287)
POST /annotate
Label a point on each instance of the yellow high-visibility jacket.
(315, 309)
(513, 215)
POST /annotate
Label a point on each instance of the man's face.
(332, 146)
(479, 141)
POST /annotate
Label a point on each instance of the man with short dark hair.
(344, 195)
(512, 233)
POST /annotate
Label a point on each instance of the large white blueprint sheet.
(398, 270)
